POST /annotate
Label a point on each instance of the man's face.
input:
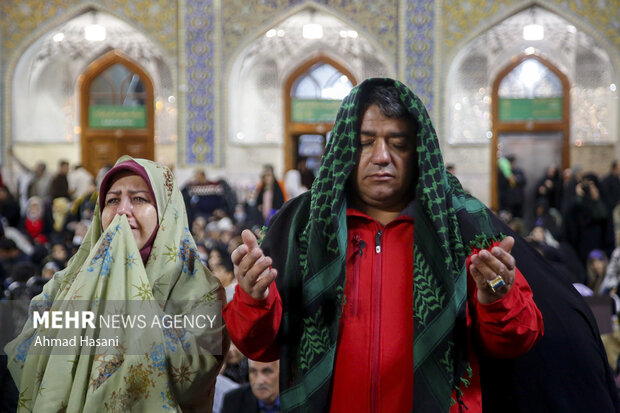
(39, 169)
(264, 379)
(200, 177)
(387, 163)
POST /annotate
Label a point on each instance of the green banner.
(314, 110)
(116, 116)
(530, 109)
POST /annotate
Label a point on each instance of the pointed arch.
(308, 5)
(514, 9)
(527, 126)
(289, 127)
(7, 130)
(104, 145)
(256, 72)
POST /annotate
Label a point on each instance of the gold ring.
(496, 283)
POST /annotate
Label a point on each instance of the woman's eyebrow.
(131, 191)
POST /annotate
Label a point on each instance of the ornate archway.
(116, 111)
(530, 111)
(310, 117)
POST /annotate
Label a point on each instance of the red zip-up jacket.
(373, 370)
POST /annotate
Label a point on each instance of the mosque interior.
(230, 85)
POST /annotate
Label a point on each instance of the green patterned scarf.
(177, 372)
(308, 241)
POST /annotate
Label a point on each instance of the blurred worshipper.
(22, 285)
(203, 253)
(220, 226)
(586, 219)
(223, 385)
(610, 187)
(596, 269)
(549, 187)
(203, 196)
(9, 207)
(297, 181)
(224, 272)
(547, 218)
(307, 175)
(234, 243)
(517, 225)
(199, 229)
(571, 177)
(240, 215)
(84, 206)
(80, 182)
(227, 230)
(611, 282)
(560, 254)
(22, 240)
(450, 167)
(9, 394)
(217, 253)
(59, 185)
(35, 182)
(292, 183)
(269, 194)
(80, 216)
(49, 269)
(60, 211)
(384, 219)
(19, 284)
(248, 215)
(58, 255)
(10, 256)
(37, 222)
(511, 186)
(101, 173)
(261, 395)
(139, 217)
(236, 365)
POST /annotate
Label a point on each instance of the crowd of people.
(574, 222)
(43, 221)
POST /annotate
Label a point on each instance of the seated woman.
(138, 249)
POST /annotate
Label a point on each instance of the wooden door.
(117, 112)
(309, 112)
(531, 120)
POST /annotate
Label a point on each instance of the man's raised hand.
(487, 265)
(252, 268)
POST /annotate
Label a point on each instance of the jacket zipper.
(359, 244)
(376, 325)
(462, 406)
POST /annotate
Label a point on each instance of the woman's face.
(598, 266)
(34, 210)
(538, 234)
(129, 195)
(59, 252)
(215, 258)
